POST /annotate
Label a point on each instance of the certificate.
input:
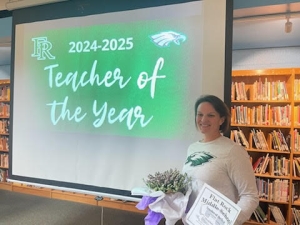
(212, 208)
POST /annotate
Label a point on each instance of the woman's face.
(208, 120)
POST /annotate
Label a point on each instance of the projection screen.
(101, 101)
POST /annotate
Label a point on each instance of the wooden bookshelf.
(268, 100)
(4, 129)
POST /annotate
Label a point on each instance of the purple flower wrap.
(152, 218)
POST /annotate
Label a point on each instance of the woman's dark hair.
(219, 106)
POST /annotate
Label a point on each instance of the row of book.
(4, 109)
(297, 115)
(4, 126)
(259, 90)
(295, 191)
(277, 214)
(265, 115)
(273, 165)
(274, 210)
(274, 90)
(4, 143)
(5, 93)
(4, 160)
(296, 196)
(259, 139)
(279, 141)
(239, 137)
(297, 89)
(273, 190)
(296, 166)
(296, 143)
(3, 175)
(260, 215)
(238, 91)
(262, 115)
(296, 216)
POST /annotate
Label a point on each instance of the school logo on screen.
(165, 38)
(42, 48)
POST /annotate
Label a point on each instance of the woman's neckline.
(202, 140)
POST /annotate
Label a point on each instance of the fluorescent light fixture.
(19, 4)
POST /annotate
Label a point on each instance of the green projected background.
(107, 94)
(130, 79)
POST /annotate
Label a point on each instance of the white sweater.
(225, 166)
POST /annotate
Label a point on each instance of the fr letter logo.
(41, 48)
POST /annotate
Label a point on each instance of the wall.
(4, 72)
(5, 63)
(5, 34)
(5, 27)
(266, 58)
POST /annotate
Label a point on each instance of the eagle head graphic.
(198, 158)
(163, 39)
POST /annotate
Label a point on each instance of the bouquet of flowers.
(166, 196)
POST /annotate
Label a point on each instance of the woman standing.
(219, 161)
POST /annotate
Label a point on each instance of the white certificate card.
(212, 208)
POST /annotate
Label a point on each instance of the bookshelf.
(4, 129)
(265, 119)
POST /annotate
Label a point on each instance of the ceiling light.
(288, 25)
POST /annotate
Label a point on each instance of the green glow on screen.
(163, 110)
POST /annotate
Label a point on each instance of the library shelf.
(265, 119)
(4, 128)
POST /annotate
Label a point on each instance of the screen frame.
(91, 7)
